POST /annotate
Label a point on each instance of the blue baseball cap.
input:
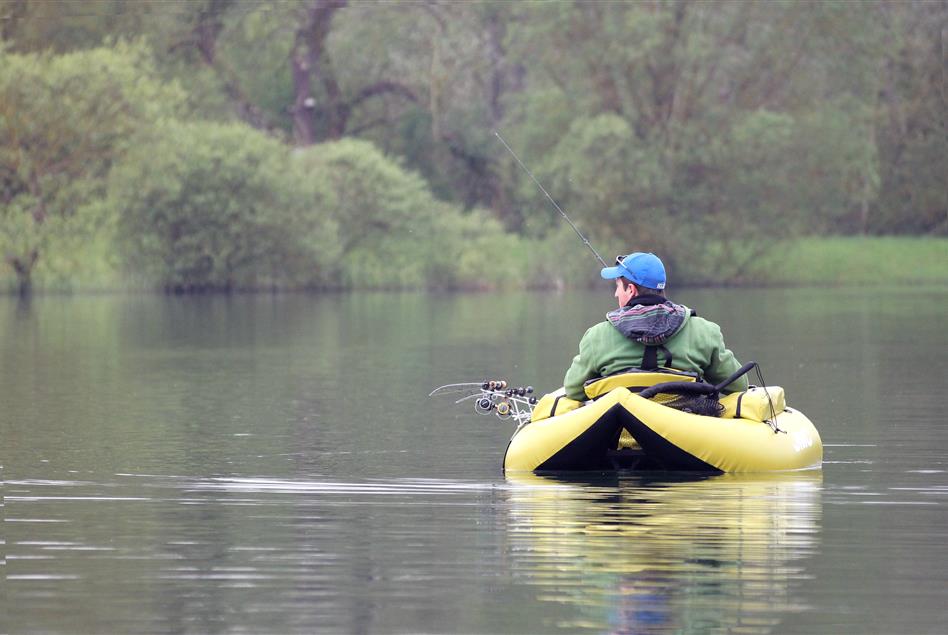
(644, 269)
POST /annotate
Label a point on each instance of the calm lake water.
(272, 464)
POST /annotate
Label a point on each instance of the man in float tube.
(649, 331)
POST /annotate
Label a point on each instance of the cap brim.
(611, 273)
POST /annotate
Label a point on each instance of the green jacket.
(695, 344)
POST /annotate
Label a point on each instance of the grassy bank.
(841, 261)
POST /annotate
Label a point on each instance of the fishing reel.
(496, 396)
(483, 406)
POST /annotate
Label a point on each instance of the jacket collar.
(650, 299)
(649, 319)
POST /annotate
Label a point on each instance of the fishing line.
(558, 208)
(773, 411)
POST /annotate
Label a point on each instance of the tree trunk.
(326, 115)
(304, 105)
(308, 60)
(24, 271)
(206, 33)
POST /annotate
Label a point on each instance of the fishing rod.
(558, 208)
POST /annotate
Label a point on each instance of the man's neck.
(647, 299)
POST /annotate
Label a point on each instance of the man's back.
(647, 331)
(697, 346)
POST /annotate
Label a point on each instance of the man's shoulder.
(702, 321)
(697, 325)
(602, 329)
(600, 332)
(605, 325)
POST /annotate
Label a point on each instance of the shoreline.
(835, 262)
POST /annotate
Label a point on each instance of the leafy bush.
(394, 233)
(212, 206)
(65, 121)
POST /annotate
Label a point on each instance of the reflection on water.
(270, 464)
(621, 554)
(723, 553)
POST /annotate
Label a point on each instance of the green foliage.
(393, 232)
(706, 140)
(912, 123)
(213, 206)
(64, 121)
(599, 166)
(221, 206)
(706, 132)
(48, 25)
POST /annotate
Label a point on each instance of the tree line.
(228, 144)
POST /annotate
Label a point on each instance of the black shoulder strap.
(650, 358)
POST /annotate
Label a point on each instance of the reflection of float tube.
(629, 540)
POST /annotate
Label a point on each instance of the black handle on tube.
(743, 370)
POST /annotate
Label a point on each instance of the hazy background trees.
(65, 121)
(246, 143)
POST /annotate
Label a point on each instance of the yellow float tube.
(588, 438)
